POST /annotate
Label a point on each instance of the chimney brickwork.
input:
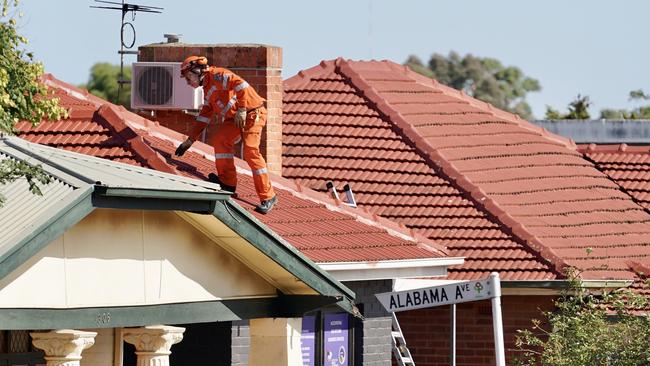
(259, 65)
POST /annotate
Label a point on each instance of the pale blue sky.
(593, 47)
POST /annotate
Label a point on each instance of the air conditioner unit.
(158, 85)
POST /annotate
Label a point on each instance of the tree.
(483, 78)
(103, 83)
(642, 112)
(588, 328)
(23, 95)
(578, 109)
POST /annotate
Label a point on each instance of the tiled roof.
(628, 166)
(506, 194)
(320, 227)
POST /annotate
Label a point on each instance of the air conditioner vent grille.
(156, 85)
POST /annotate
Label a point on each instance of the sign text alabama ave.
(438, 295)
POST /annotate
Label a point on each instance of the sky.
(596, 48)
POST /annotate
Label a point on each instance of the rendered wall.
(129, 257)
(102, 353)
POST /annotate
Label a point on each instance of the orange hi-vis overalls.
(224, 93)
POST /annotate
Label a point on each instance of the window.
(16, 349)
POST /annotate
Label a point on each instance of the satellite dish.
(156, 85)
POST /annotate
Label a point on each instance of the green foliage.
(11, 170)
(588, 329)
(22, 94)
(578, 109)
(103, 83)
(639, 95)
(552, 114)
(642, 112)
(483, 78)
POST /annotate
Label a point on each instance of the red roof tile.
(320, 227)
(628, 166)
(503, 192)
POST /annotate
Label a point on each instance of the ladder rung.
(397, 335)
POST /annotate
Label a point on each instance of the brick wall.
(427, 330)
(241, 342)
(376, 327)
(259, 65)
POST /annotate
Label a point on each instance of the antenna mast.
(125, 48)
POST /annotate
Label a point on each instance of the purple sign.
(308, 340)
(335, 339)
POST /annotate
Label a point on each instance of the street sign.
(438, 295)
(452, 294)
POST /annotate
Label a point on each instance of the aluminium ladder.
(401, 352)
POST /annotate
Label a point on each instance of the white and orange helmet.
(193, 62)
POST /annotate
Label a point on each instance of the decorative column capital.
(64, 346)
(154, 338)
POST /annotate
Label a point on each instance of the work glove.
(182, 148)
(240, 118)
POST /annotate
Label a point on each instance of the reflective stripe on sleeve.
(202, 119)
(231, 102)
(241, 86)
(260, 171)
(225, 82)
(224, 156)
(209, 94)
(225, 109)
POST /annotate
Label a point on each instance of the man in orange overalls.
(238, 111)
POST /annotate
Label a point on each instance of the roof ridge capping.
(613, 148)
(448, 168)
(73, 91)
(303, 76)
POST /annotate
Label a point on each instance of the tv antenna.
(125, 47)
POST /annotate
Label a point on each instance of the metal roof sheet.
(23, 209)
(97, 171)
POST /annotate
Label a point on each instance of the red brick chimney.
(259, 65)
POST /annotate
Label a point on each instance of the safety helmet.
(192, 62)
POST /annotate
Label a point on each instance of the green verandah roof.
(82, 183)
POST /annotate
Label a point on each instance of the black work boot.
(224, 187)
(267, 205)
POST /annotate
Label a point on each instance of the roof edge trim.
(159, 193)
(560, 284)
(389, 264)
(390, 270)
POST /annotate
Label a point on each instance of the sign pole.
(495, 286)
(452, 336)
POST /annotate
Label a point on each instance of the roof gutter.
(554, 287)
(390, 269)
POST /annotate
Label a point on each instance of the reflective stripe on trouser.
(224, 140)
